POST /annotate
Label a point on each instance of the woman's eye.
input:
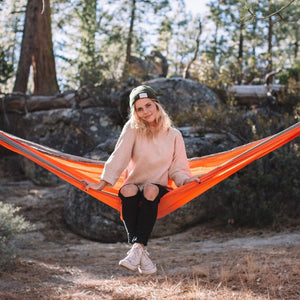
(139, 109)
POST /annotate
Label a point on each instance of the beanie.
(142, 91)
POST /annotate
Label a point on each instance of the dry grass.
(203, 263)
(247, 276)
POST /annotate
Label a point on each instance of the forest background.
(86, 43)
(48, 48)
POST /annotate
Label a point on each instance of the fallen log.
(254, 94)
(24, 103)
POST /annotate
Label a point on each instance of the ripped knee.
(129, 190)
(150, 191)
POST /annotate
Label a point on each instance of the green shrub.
(11, 226)
(290, 75)
(6, 68)
(266, 192)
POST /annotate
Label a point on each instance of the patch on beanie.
(143, 95)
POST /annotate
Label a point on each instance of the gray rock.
(72, 131)
(93, 219)
(93, 132)
(179, 97)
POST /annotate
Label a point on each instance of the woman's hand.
(193, 178)
(95, 186)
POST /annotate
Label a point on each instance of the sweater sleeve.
(120, 158)
(179, 170)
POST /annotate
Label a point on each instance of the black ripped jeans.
(139, 215)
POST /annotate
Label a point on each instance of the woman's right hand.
(95, 186)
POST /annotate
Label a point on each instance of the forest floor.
(205, 262)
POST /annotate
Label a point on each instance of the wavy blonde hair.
(163, 121)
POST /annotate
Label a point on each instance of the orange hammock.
(212, 168)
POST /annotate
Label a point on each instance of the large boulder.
(180, 97)
(153, 66)
(91, 218)
(93, 132)
(72, 131)
(97, 221)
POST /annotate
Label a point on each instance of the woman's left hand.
(193, 178)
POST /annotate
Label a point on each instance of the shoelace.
(148, 261)
(134, 252)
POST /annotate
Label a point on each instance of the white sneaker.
(133, 258)
(146, 266)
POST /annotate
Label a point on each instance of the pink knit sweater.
(146, 160)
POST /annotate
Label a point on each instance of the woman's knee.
(150, 191)
(129, 190)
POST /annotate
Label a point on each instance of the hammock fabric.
(212, 168)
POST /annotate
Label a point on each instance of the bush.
(11, 226)
(266, 192)
(6, 68)
(289, 75)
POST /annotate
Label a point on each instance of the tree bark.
(27, 47)
(270, 34)
(37, 51)
(44, 73)
(23, 104)
(241, 52)
(129, 39)
(270, 44)
(88, 72)
(296, 45)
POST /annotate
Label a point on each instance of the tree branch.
(186, 70)
(270, 15)
(43, 7)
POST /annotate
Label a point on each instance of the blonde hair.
(163, 121)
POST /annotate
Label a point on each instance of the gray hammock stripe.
(51, 151)
(272, 137)
(32, 154)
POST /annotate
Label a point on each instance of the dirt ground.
(205, 262)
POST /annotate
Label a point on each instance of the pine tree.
(37, 51)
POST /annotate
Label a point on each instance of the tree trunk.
(22, 104)
(187, 69)
(129, 39)
(270, 45)
(296, 48)
(241, 53)
(43, 62)
(27, 46)
(270, 34)
(37, 50)
(89, 75)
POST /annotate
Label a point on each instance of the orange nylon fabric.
(212, 168)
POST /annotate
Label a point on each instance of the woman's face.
(146, 110)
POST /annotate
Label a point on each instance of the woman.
(150, 152)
